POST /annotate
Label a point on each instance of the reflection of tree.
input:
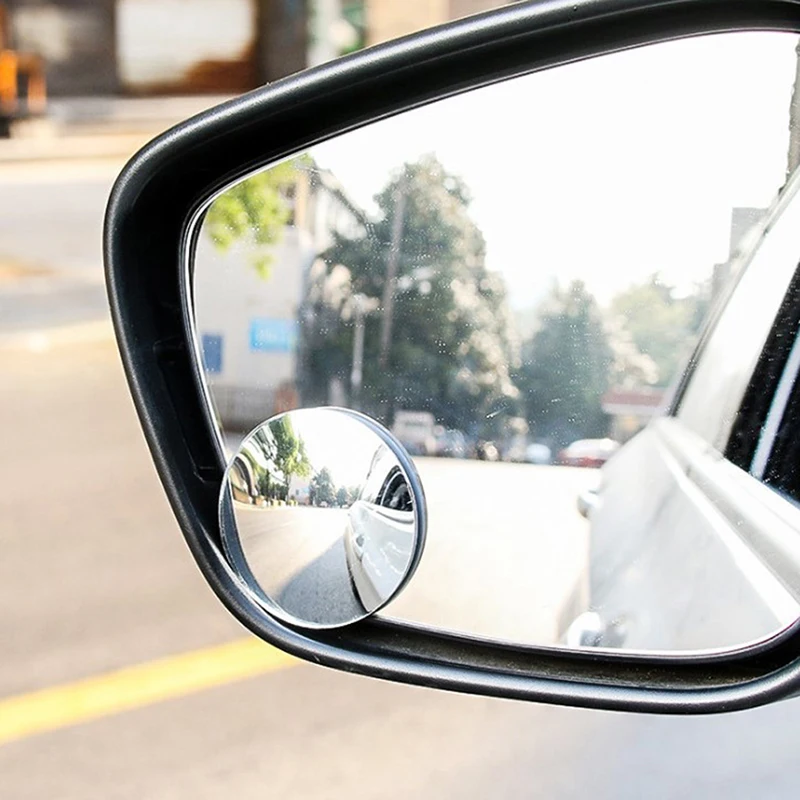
(321, 489)
(274, 454)
(290, 450)
(255, 211)
(566, 367)
(269, 484)
(662, 324)
(451, 343)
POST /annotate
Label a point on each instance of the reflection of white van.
(415, 431)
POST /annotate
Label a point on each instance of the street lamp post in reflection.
(391, 271)
(356, 373)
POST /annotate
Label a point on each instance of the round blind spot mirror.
(323, 516)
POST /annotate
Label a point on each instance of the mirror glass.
(512, 281)
(319, 516)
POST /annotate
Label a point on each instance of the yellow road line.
(133, 687)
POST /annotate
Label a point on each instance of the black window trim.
(777, 408)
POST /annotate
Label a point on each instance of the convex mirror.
(322, 514)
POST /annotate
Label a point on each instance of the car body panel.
(670, 570)
(688, 550)
(378, 544)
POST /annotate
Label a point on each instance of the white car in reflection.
(380, 533)
(379, 544)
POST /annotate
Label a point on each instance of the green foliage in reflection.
(453, 348)
(342, 496)
(579, 351)
(255, 211)
(290, 455)
(321, 489)
(566, 367)
(275, 454)
(451, 341)
(662, 324)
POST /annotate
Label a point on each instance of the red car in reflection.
(588, 453)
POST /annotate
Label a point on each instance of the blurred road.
(506, 552)
(297, 555)
(94, 578)
(51, 221)
(506, 555)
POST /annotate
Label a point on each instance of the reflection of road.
(506, 551)
(297, 555)
(51, 247)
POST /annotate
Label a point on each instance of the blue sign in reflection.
(273, 335)
(212, 352)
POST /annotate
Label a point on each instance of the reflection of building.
(248, 324)
(630, 410)
(243, 481)
(744, 231)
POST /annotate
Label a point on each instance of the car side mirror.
(307, 518)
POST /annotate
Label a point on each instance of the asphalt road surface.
(506, 554)
(94, 577)
(51, 222)
(508, 561)
(297, 556)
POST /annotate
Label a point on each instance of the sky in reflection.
(629, 162)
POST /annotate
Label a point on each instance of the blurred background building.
(162, 47)
(249, 335)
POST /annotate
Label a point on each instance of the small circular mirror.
(322, 515)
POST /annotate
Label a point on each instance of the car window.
(728, 356)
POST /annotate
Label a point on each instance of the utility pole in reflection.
(356, 373)
(391, 270)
